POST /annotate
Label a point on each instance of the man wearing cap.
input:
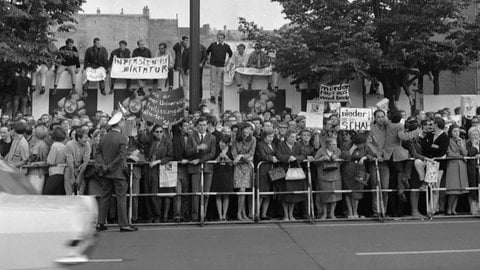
(111, 162)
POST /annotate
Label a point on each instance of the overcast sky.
(217, 13)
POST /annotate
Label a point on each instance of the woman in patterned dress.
(243, 151)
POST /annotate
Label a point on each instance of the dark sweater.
(217, 53)
(145, 52)
(96, 57)
(70, 56)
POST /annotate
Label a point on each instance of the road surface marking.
(105, 260)
(417, 252)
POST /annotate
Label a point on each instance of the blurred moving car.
(42, 231)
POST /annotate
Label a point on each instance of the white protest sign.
(355, 119)
(255, 71)
(334, 93)
(468, 106)
(314, 114)
(140, 68)
(96, 74)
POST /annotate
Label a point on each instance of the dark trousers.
(100, 83)
(54, 185)
(112, 83)
(207, 183)
(119, 188)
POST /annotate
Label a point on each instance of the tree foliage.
(334, 41)
(28, 29)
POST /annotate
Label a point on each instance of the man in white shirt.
(239, 59)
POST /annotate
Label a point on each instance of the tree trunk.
(436, 82)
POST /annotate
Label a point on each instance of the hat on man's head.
(116, 118)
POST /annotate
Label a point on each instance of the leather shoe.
(128, 229)
(101, 227)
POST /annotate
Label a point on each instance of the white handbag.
(295, 174)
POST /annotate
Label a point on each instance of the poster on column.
(314, 114)
(334, 93)
(96, 74)
(140, 68)
(165, 108)
(358, 119)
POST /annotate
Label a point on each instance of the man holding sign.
(258, 59)
(95, 64)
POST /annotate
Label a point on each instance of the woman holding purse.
(290, 156)
(161, 152)
(223, 175)
(456, 174)
(265, 151)
(328, 177)
(243, 150)
(355, 175)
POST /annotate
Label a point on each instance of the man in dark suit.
(111, 159)
(200, 148)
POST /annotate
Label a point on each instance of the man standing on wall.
(217, 51)
(179, 49)
(95, 57)
(121, 52)
(145, 52)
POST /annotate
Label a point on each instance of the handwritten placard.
(165, 108)
(140, 68)
(314, 115)
(334, 93)
(355, 119)
(96, 74)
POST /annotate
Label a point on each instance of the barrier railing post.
(478, 187)
(379, 192)
(257, 195)
(202, 198)
(309, 194)
(130, 200)
(252, 193)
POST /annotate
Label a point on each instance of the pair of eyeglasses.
(159, 131)
(282, 127)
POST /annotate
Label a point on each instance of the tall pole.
(194, 54)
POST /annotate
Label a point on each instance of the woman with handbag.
(160, 153)
(265, 151)
(223, 175)
(328, 177)
(290, 156)
(456, 174)
(473, 150)
(355, 174)
(243, 150)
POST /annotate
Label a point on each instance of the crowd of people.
(401, 146)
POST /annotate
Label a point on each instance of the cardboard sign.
(140, 68)
(314, 115)
(165, 108)
(255, 71)
(96, 74)
(468, 106)
(334, 93)
(355, 119)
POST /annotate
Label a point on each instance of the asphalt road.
(438, 244)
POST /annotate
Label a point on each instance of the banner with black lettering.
(165, 108)
(255, 71)
(140, 68)
(334, 93)
(355, 119)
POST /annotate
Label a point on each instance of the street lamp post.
(195, 55)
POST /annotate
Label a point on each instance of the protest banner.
(468, 106)
(355, 119)
(96, 74)
(140, 68)
(334, 93)
(255, 71)
(165, 108)
(314, 115)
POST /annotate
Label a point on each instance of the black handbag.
(276, 173)
(330, 166)
(362, 176)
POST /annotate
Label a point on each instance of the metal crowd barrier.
(256, 194)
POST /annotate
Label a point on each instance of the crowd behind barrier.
(237, 168)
